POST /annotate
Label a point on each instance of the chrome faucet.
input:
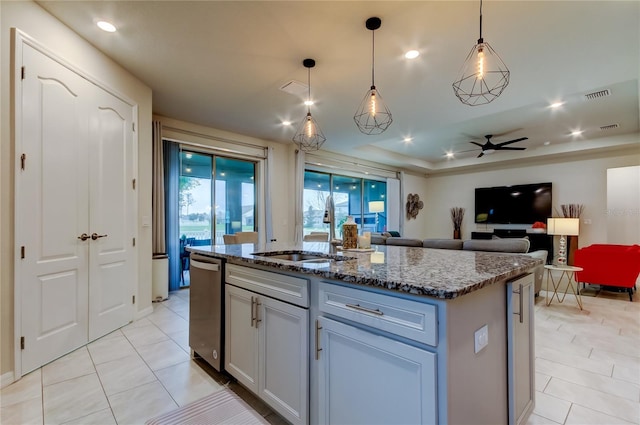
(330, 217)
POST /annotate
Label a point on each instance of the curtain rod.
(357, 164)
(215, 138)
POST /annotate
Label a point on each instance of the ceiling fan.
(489, 147)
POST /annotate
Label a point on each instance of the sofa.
(501, 245)
(609, 265)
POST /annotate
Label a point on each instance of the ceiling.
(221, 64)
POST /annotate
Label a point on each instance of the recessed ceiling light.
(286, 122)
(308, 102)
(408, 139)
(106, 26)
(412, 54)
(449, 154)
(547, 143)
(576, 132)
(556, 105)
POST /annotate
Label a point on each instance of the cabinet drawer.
(290, 289)
(410, 319)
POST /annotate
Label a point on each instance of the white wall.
(581, 180)
(415, 228)
(623, 205)
(35, 22)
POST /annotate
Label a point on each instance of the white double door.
(74, 177)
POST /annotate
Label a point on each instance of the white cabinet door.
(52, 210)
(402, 389)
(267, 350)
(520, 349)
(241, 336)
(112, 214)
(74, 178)
(284, 358)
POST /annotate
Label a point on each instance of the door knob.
(83, 237)
(95, 236)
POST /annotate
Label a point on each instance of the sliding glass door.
(364, 199)
(215, 195)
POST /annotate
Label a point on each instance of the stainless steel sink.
(300, 257)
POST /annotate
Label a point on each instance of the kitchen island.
(398, 335)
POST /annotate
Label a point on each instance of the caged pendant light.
(309, 137)
(373, 116)
(483, 75)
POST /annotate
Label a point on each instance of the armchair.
(609, 265)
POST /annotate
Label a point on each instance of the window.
(351, 196)
(234, 195)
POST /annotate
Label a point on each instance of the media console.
(537, 240)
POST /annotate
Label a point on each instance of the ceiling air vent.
(295, 88)
(609, 127)
(597, 94)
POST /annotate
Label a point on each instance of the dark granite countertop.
(438, 273)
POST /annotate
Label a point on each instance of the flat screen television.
(518, 204)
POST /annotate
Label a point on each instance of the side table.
(568, 273)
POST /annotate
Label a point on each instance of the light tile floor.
(587, 362)
(587, 370)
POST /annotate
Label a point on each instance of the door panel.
(78, 147)
(241, 338)
(52, 211)
(111, 214)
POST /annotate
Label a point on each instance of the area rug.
(222, 407)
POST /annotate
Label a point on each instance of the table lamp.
(563, 227)
(376, 207)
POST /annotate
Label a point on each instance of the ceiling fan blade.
(507, 148)
(481, 154)
(504, 133)
(512, 141)
(477, 144)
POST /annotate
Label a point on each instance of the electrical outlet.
(481, 338)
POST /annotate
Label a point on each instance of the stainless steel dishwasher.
(206, 306)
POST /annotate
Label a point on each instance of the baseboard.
(142, 313)
(6, 379)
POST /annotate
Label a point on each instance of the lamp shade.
(376, 206)
(563, 226)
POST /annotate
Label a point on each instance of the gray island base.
(400, 335)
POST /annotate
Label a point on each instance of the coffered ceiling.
(222, 64)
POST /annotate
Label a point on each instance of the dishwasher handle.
(206, 266)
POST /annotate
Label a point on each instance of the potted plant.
(457, 214)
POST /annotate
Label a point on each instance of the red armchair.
(609, 265)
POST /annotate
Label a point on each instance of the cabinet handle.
(318, 349)
(258, 303)
(95, 236)
(252, 310)
(521, 301)
(377, 312)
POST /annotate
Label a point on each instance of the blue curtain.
(172, 224)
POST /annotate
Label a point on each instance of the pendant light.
(373, 116)
(483, 75)
(309, 137)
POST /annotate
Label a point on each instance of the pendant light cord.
(480, 40)
(309, 90)
(373, 57)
